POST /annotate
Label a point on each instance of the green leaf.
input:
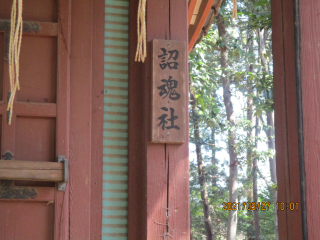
(200, 100)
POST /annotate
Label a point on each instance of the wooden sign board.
(169, 91)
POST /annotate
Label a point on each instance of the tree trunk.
(213, 159)
(257, 231)
(201, 171)
(233, 170)
(263, 36)
(250, 136)
(272, 163)
(250, 133)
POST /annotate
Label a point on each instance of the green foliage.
(249, 79)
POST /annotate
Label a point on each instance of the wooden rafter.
(201, 18)
(192, 5)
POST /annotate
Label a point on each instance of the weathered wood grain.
(32, 175)
(30, 165)
(171, 95)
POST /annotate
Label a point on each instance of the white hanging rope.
(141, 53)
(14, 52)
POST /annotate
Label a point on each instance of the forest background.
(232, 149)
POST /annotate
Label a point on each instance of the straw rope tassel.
(141, 52)
(234, 9)
(14, 52)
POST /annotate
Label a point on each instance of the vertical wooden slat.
(63, 115)
(158, 27)
(178, 155)
(147, 162)
(80, 119)
(280, 112)
(115, 124)
(293, 217)
(97, 120)
(137, 210)
(286, 118)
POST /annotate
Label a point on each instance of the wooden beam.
(196, 12)
(158, 173)
(203, 12)
(35, 109)
(45, 194)
(30, 165)
(191, 7)
(31, 170)
(48, 29)
(32, 175)
(80, 118)
(61, 220)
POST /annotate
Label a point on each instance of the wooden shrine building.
(85, 156)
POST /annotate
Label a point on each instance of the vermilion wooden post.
(80, 119)
(287, 134)
(97, 118)
(158, 173)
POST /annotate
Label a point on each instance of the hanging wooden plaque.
(169, 91)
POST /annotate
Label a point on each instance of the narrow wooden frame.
(288, 118)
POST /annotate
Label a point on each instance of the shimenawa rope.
(14, 52)
(141, 53)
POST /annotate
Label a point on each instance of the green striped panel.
(115, 125)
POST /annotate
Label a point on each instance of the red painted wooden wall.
(310, 80)
(158, 173)
(58, 111)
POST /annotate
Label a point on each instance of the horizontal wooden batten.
(31, 170)
(48, 29)
(30, 165)
(124, 235)
(32, 109)
(35, 109)
(44, 194)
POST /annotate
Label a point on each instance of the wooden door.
(40, 122)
